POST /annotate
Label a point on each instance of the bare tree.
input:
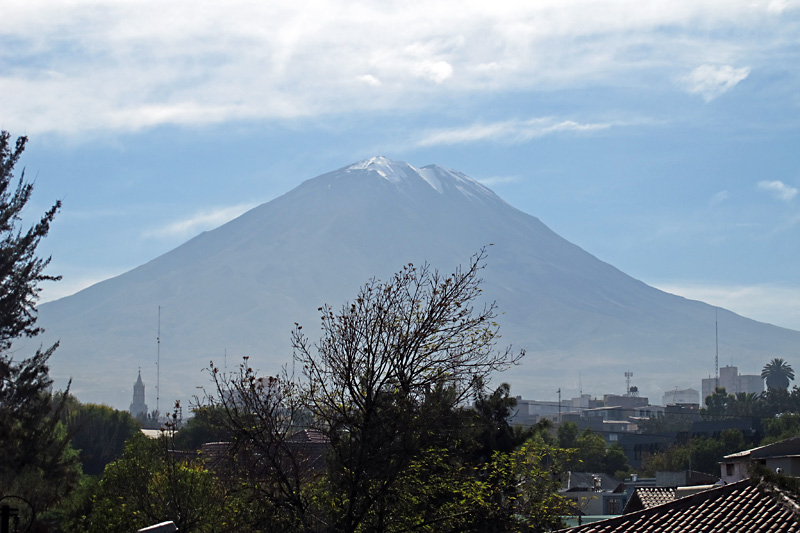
(387, 373)
(262, 414)
(384, 386)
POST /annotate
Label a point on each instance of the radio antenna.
(158, 362)
(716, 348)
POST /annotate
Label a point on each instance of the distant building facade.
(733, 383)
(680, 396)
(138, 407)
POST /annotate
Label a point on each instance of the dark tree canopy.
(21, 270)
(37, 461)
(778, 374)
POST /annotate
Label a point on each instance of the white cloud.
(499, 180)
(124, 64)
(435, 71)
(779, 6)
(718, 198)
(711, 81)
(773, 304)
(778, 189)
(511, 131)
(370, 80)
(198, 222)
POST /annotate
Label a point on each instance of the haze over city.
(662, 138)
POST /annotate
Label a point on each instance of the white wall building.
(681, 396)
(732, 382)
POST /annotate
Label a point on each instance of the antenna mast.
(716, 349)
(628, 376)
(158, 362)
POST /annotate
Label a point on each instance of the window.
(728, 469)
(613, 505)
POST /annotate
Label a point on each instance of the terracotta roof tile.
(738, 507)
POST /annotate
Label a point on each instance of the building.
(732, 382)
(782, 456)
(138, 407)
(676, 396)
(529, 412)
(743, 506)
(594, 494)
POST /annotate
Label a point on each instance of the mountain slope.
(240, 288)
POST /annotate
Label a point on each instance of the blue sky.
(662, 137)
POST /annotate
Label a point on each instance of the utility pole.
(559, 404)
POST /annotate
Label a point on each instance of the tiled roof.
(647, 497)
(738, 507)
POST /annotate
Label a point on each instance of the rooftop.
(741, 506)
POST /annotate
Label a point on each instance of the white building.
(733, 383)
(681, 396)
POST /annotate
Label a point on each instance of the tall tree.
(778, 374)
(368, 380)
(21, 270)
(98, 432)
(385, 391)
(36, 460)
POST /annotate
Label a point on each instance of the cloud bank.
(127, 65)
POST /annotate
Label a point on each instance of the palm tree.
(778, 373)
(743, 404)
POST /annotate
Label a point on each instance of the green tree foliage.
(777, 374)
(21, 270)
(744, 404)
(523, 490)
(568, 435)
(147, 485)
(701, 454)
(769, 404)
(206, 425)
(716, 404)
(385, 389)
(36, 462)
(589, 451)
(98, 433)
(494, 432)
(781, 427)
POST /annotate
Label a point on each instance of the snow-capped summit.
(440, 179)
(393, 171)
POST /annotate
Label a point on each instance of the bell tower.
(138, 407)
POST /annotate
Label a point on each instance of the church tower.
(138, 407)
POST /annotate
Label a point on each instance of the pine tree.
(36, 461)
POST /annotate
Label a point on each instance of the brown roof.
(647, 497)
(784, 448)
(738, 507)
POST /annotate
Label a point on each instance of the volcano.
(239, 289)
